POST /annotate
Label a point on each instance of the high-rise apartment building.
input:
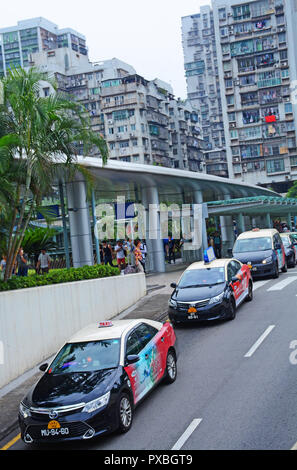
(35, 35)
(140, 119)
(203, 87)
(256, 49)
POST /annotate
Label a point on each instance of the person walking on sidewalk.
(44, 262)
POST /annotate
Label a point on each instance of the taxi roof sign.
(209, 255)
(104, 324)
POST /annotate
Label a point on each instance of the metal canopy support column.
(79, 222)
(65, 233)
(97, 246)
(268, 220)
(198, 199)
(241, 224)
(150, 200)
(289, 221)
(227, 233)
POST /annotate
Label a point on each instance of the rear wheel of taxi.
(125, 412)
(249, 297)
(232, 309)
(285, 267)
(276, 271)
(171, 368)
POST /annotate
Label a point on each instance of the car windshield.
(82, 357)
(286, 241)
(246, 245)
(202, 277)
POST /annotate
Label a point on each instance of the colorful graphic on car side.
(149, 370)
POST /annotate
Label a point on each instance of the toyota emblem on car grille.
(53, 414)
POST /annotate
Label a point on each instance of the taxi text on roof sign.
(104, 324)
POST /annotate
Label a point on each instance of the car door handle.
(146, 356)
(162, 339)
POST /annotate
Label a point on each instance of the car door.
(236, 286)
(279, 250)
(133, 347)
(150, 358)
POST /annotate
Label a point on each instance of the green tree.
(39, 138)
(293, 190)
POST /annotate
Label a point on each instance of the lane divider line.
(11, 442)
(280, 285)
(185, 436)
(258, 284)
(259, 341)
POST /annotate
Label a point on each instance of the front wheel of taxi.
(125, 411)
(171, 368)
(276, 271)
(231, 309)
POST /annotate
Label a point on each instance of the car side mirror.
(43, 367)
(173, 285)
(132, 358)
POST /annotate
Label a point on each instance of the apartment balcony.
(119, 89)
(262, 12)
(269, 82)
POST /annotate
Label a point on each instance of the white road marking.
(185, 436)
(280, 285)
(259, 341)
(258, 284)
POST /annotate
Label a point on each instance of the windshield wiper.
(195, 285)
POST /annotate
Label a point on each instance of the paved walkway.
(153, 305)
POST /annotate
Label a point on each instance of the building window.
(274, 166)
(288, 108)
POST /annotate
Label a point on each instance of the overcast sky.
(146, 34)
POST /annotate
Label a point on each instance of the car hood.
(252, 256)
(70, 388)
(194, 294)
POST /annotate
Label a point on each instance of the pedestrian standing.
(138, 257)
(171, 249)
(121, 254)
(22, 263)
(44, 262)
(143, 250)
(107, 253)
(217, 244)
(3, 266)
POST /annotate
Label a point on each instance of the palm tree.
(39, 137)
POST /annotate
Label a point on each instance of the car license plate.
(192, 310)
(193, 317)
(54, 429)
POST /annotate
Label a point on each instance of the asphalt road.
(236, 385)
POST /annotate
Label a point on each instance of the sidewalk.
(153, 306)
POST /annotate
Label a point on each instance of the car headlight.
(217, 298)
(267, 260)
(172, 303)
(97, 403)
(25, 411)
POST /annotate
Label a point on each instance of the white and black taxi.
(97, 378)
(210, 291)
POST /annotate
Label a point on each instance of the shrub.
(59, 276)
